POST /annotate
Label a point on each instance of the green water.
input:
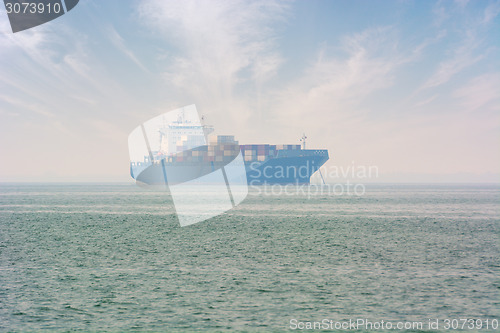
(113, 258)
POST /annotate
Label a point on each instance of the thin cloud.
(217, 40)
(464, 56)
(332, 81)
(461, 3)
(471, 49)
(119, 43)
(480, 92)
(441, 14)
(491, 12)
(426, 101)
(26, 106)
(420, 48)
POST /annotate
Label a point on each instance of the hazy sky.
(412, 87)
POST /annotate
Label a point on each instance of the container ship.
(178, 152)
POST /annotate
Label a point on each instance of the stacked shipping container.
(222, 148)
(263, 151)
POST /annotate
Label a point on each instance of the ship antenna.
(303, 139)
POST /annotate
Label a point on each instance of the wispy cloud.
(491, 12)
(426, 101)
(470, 50)
(420, 48)
(462, 3)
(463, 57)
(480, 92)
(441, 13)
(333, 84)
(217, 40)
(24, 106)
(119, 43)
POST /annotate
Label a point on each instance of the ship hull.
(285, 170)
(288, 167)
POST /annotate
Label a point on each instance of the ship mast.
(303, 139)
(206, 128)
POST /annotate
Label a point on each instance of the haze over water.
(113, 257)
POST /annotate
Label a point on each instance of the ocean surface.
(112, 257)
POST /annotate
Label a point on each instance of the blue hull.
(287, 167)
(285, 170)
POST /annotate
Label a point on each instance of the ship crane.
(303, 140)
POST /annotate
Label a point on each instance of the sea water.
(113, 257)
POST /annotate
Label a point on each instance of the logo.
(26, 14)
(171, 152)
